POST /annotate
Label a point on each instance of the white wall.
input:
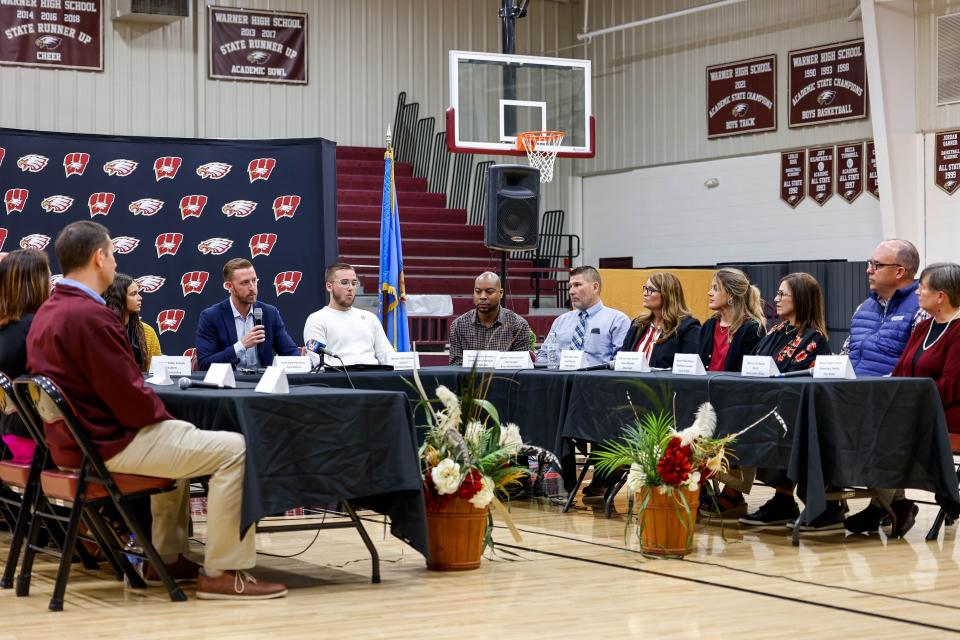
(665, 216)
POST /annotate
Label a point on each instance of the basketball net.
(541, 148)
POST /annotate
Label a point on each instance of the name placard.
(404, 360)
(293, 364)
(571, 360)
(837, 367)
(221, 374)
(688, 364)
(631, 361)
(174, 365)
(759, 367)
(274, 380)
(514, 360)
(480, 359)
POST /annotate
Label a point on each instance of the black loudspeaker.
(513, 207)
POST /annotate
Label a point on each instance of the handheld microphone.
(257, 317)
(597, 367)
(187, 383)
(797, 374)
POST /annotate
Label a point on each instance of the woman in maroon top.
(933, 350)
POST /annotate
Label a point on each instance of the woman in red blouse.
(737, 323)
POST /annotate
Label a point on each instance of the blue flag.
(393, 296)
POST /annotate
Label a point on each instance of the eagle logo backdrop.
(285, 198)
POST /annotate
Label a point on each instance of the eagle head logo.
(213, 170)
(740, 109)
(47, 42)
(125, 244)
(36, 241)
(238, 208)
(119, 167)
(826, 97)
(215, 246)
(56, 204)
(258, 57)
(150, 284)
(145, 206)
(32, 162)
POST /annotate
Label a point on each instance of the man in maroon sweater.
(82, 346)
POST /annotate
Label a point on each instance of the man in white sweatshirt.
(353, 334)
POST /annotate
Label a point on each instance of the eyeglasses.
(649, 291)
(782, 294)
(876, 266)
(348, 283)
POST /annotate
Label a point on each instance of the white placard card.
(631, 361)
(482, 359)
(221, 374)
(293, 364)
(571, 360)
(175, 365)
(759, 367)
(688, 364)
(514, 360)
(274, 380)
(837, 367)
(404, 360)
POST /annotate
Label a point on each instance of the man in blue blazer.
(229, 331)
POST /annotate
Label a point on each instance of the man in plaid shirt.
(489, 326)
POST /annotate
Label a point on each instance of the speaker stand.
(503, 277)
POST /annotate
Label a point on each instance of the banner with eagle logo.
(177, 210)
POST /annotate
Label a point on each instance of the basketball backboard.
(494, 97)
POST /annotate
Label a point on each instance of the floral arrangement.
(660, 456)
(467, 453)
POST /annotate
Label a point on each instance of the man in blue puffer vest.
(879, 331)
(882, 323)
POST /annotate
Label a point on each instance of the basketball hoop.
(541, 148)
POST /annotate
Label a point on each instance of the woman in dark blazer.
(665, 327)
(737, 324)
(24, 286)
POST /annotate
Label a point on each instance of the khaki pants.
(177, 449)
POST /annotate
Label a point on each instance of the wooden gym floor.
(573, 576)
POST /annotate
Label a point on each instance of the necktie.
(579, 332)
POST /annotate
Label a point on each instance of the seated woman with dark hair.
(124, 298)
(794, 344)
(737, 324)
(932, 351)
(24, 286)
(665, 327)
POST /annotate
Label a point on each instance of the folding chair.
(26, 497)
(83, 491)
(942, 517)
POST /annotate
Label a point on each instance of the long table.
(878, 432)
(318, 445)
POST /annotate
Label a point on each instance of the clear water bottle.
(551, 347)
(136, 561)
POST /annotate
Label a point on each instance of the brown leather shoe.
(237, 585)
(183, 570)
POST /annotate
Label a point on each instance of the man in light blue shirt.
(591, 327)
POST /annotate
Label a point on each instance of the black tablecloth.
(318, 445)
(877, 432)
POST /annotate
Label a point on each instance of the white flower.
(485, 495)
(703, 426)
(510, 437)
(473, 433)
(636, 478)
(446, 476)
(693, 481)
(449, 418)
(664, 489)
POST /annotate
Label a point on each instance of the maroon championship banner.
(827, 84)
(820, 163)
(66, 34)
(260, 46)
(742, 97)
(793, 176)
(873, 182)
(946, 160)
(850, 173)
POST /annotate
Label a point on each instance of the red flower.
(471, 485)
(811, 347)
(674, 465)
(801, 357)
(434, 501)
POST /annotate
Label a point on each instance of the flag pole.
(384, 298)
